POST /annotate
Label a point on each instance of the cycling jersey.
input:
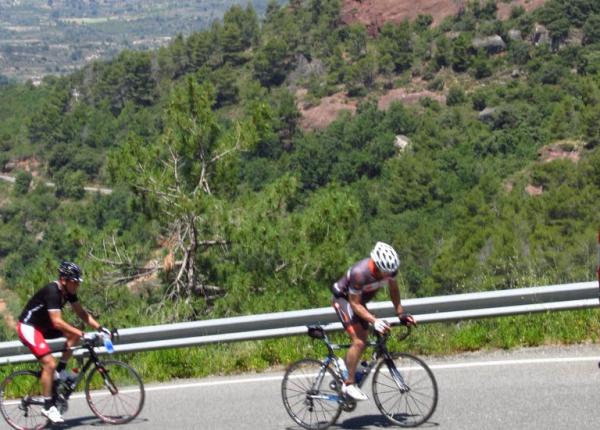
(47, 299)
(359, 279)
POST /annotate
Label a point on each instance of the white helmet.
(385, 257)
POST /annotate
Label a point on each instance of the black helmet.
(70, 271)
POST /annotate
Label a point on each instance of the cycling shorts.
(33, 338)
(346, 315)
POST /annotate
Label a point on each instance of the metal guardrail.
(253, 327)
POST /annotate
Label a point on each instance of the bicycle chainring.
(348, 405)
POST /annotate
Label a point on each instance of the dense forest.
(224, 205)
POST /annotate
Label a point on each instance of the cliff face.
(374, 13)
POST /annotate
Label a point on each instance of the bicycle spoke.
(21, 401)
(410, 401)
(307, 403)
(115, 392)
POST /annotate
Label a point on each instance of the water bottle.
(108, 344)
(343, 369)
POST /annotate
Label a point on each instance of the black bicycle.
(404, 388)
(113, 390)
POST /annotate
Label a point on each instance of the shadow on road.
(91, 421)
(368, 422)
(373, 421)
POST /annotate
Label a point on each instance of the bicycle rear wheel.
(114, 392)
(310, 393)
(405, 390)
(21, 400)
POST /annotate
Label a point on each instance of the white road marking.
(464, 365)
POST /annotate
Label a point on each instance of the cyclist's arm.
(85, 316)
(359, 309)
(395, 295)
(60, 324)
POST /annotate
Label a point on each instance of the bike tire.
(15, 389)
(299, 392)
(415, 405)
(114, 392)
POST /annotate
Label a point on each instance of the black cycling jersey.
(47, 299)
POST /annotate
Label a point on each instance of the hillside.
(374, 13)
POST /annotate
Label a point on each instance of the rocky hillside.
(374, 13)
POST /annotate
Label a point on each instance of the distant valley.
(42, 37)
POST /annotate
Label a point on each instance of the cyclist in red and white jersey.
(350, 297)
(41, 319)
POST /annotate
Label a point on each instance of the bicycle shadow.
(91, 421)
(368, 422)
(373, 421)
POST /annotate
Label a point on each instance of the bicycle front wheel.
(310, 393)
(21, 400)
(114, 392)
(405, 390)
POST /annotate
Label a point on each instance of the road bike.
(404, 388)
(113, 390)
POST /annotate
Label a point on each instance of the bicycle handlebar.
(96, 340)
(317, 332)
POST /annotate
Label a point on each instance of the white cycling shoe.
(53, 415)
(353, 391)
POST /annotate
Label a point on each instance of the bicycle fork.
(396, 376)
(107, 381)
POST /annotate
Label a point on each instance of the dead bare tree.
(176, 174)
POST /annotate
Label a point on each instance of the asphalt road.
(540, 388)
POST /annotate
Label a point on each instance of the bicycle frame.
(92, 360)
(380, 352)
(61, 389)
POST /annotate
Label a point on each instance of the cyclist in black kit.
(350, 297)
(41, 319)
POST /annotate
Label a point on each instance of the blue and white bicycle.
(404, 388)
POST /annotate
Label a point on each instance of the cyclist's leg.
(33, 339)
(72, 340)
(357, 329)
(47, 378)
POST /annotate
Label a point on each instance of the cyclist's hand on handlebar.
(407, 319)
(105, 332)
(89, 337)
(381, 326)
